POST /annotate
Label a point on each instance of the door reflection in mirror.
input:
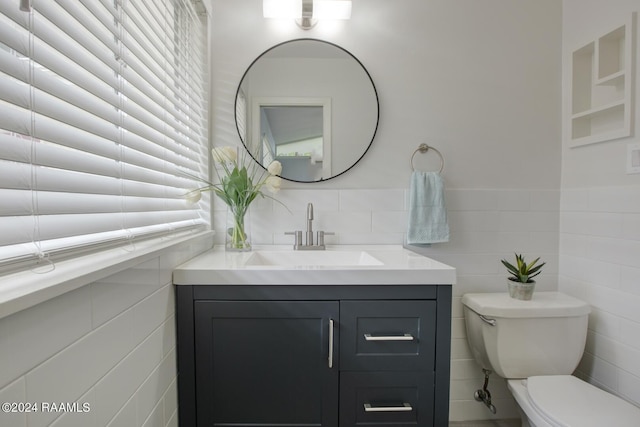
(297, 133)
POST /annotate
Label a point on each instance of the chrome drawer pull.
(404, 408)
(405, 337)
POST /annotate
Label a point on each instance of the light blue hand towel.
(427, 213)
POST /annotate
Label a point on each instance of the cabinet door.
(388, 335)
(386, 399)
(266, 363)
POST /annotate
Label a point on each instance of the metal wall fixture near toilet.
(536, 345)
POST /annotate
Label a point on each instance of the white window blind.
(102, 110)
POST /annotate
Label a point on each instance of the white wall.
(110, 344)
(481, 82)
(600, 222)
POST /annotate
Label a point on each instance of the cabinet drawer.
(387, 335)
(386, 399)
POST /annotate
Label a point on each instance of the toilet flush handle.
(485, 319)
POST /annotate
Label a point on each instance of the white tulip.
(193, 197)
(275, 168)
(224, 154)
(273, 183)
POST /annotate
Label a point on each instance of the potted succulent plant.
(521, 283)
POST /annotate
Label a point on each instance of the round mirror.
(309, 104)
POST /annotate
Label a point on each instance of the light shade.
(282, 9)
(293, 9)
(332, 9)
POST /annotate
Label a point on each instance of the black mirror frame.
(375, 91)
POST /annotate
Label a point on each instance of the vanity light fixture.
(306, 12)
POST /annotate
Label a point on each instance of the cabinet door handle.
(405, 337)
(330, 343)
(406, 407)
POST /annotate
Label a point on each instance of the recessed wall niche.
(601, 82)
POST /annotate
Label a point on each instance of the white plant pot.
(519, 290)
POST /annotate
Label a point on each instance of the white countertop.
(395, 265)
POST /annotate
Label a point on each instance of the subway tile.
(155, 418)
(514, 200)
(296, 200)
(151, 312)
(615, 251)
(629, 387)
(155, 386)
(465, 369)
(630, 279)
(371, 200)
(574, 200)
(389, 222)
(473, 221)
(170, 400)
(31, 336)
(458, 328)
(173, 420)
(463, 410)
(366, 238)
(628, 359)
(471, 200)
(604, 224)
(614, 199)
(606, 324)
(531, 221)
(81, 418)
(14, 392)
(599, 370)
(70, 373)
(121, 382)
(127, 416)
(545, 200)
(573, 245)
(352, 222)
(543, 242)
(631, 226)
(460, 349)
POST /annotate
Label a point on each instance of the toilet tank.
(519, 339)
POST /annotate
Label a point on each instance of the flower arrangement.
(238, 185)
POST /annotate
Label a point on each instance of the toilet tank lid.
(568, 401)
(543, 304)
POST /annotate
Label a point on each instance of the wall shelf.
(601, 87)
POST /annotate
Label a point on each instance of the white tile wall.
(110, 344)
(486, 226)
(600, 263)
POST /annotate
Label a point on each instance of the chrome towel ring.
(423, 148)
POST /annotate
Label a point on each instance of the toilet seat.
(566, 401)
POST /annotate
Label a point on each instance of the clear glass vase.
(238, 230)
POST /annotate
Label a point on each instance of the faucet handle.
(298, 237)
(321, 234)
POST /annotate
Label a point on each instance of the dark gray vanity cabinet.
(313, 355)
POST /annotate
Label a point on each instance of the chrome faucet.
(309, 234)
(308, 244)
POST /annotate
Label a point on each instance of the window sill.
(24, 289)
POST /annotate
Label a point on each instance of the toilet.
(536, 345)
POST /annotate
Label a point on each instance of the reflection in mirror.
(309, 104)
(296, 132)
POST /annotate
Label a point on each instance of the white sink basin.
(331, 258)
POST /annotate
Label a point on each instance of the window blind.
(103, 120)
